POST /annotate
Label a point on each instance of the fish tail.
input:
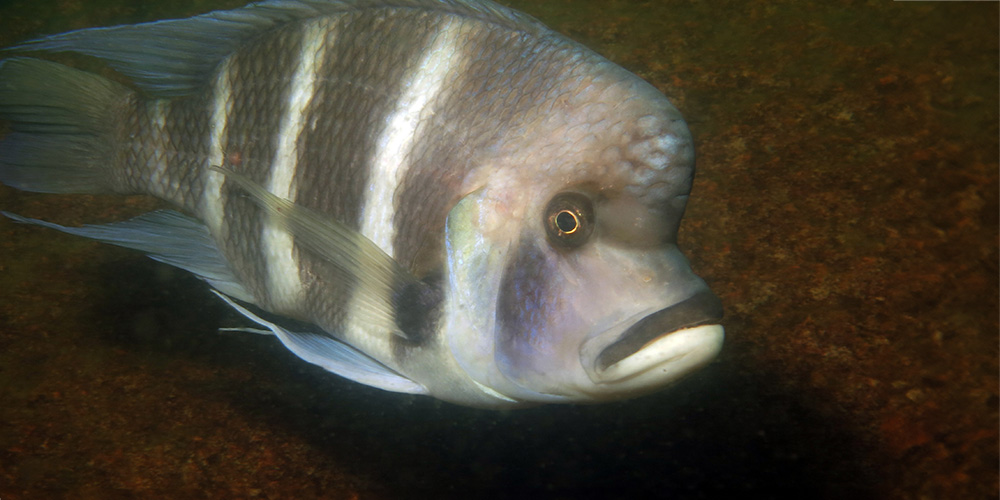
(63, 125)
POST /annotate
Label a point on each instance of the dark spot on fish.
(417, 308)
(523, 302)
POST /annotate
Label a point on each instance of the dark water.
(846, 211)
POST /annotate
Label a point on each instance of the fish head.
(565, 260)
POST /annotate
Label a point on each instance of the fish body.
(463, 203)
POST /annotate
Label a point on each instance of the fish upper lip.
(701, 308)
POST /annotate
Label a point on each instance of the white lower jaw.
(663, 360)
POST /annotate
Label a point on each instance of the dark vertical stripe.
(179, 141)
(187, 127)
(260, 74)
(525, 305)
(140, 149)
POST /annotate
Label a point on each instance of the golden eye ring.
(569, 220)
(566, 222)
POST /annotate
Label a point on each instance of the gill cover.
(476, 262)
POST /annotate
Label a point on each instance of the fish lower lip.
(700, 309)
(665, 359)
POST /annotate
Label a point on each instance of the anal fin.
(334, 356)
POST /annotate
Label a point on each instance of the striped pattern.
(284, 284)
(392, 158)
(337, 134)
(186, 134)
(221, 106)
(361, 86)
(378, 133)
(148, 151)
(505, 84)
(257, 91)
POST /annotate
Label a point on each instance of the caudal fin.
(62, 123)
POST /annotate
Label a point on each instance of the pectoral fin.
(387, 292)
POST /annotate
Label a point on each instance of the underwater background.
(845, 209)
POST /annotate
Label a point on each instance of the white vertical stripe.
(212, 207)
(388, 165)
(284, 284)
(160, 139)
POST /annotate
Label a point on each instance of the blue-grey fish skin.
(479, 208)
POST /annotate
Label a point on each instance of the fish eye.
(569, 219)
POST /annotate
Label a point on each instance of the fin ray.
(166, 236)
(62, 121)
(175, 57)
(335, 356)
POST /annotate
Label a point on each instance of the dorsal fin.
(176, 57)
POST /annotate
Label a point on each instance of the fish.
(434, 197)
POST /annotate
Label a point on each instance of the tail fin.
(62, 123)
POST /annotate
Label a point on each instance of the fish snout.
(662, 346)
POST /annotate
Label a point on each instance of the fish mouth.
(663, 345)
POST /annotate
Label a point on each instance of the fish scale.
(461, 202)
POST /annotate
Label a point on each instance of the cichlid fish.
(463, 203)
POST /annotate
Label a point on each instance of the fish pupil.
(567, 222)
